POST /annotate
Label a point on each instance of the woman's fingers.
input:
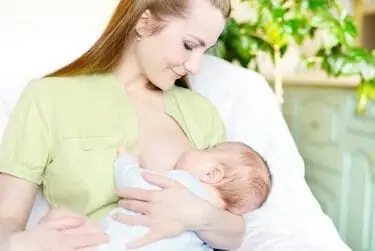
(86, 240)
(84, 229)
(64, 223)
(136, 194)
(58, 213)
(141, 207)
(134, 220)
(160, 181)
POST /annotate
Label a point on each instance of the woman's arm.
(23, 153)
(174, 210)
(221, 229)
(16, 200)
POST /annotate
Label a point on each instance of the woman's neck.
(129, 72)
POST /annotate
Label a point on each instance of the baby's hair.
(247, 179)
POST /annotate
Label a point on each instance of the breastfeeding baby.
(230, 175)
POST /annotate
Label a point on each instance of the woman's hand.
(59, 230)
(167, 212)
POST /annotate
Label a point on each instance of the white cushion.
(292, 218)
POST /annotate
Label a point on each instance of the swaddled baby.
(229, 175)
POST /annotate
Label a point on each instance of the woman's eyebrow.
(201, 42)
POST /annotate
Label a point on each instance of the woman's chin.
(166, 84)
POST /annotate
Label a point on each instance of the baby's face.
(205, 165)
(198, 162)
(201, 161)
(217, 167)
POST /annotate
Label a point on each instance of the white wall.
(50, 15)
(39, 36)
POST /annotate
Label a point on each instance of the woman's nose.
(194, 63)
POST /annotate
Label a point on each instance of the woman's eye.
(188, 47)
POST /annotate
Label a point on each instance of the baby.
(229, 175)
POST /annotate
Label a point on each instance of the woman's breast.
(160, 143)
(161, 151)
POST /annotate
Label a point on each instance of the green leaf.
(349, 27)
(275, 34)
(242, 48)
(330, 40)
(278, 13)
(283, 50)
(220, 49)
(366, 90)
(319, 4)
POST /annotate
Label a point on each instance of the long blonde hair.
(105, 55)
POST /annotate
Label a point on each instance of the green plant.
(279, 22)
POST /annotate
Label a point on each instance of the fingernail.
(121, 203)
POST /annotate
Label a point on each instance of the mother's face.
(177, 49)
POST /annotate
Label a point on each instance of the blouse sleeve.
(24, 151)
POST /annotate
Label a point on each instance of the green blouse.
(64, 132)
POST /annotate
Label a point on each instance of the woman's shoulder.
(67, 83)
(67, 89)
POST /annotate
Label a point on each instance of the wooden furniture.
(364, 14)
(338, 147)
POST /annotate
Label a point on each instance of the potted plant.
(279, 23)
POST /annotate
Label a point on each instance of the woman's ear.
(212, 175)
(146, 25)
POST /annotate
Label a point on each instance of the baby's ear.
(212, 175)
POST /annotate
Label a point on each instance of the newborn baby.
(229, 175)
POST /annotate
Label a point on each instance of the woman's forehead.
(204, 21)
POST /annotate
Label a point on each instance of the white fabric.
(292, 218)
(129, 174)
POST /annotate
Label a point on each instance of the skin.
(206, 166)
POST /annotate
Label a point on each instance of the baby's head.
(237, 176)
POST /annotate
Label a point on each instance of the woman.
(66, 128)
